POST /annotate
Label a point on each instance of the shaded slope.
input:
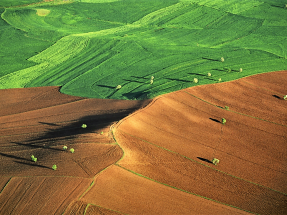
(174, 139)
(39, 122)
(41, 127)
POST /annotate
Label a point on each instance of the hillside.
(90, 47)
(143, 107)
(156, 160)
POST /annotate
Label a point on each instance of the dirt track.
(161, 163)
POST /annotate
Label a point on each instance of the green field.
(90, 46)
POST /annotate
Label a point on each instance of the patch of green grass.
(9, 3)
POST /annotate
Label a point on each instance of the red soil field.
(41, 195)
(156, 160)
(131, 194)
(174, 139)
(40, 121)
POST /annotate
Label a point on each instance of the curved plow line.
(47, 108)
(10, 195)
(140, 175)
(112, 72)
(50, 176)
(95, 181)
(27, 126)
(100, 207)
(105, 57)
(6, 185)
(248, 34)
(37, 132)
(262, 88)
(235, 111)
(156, 15)
(203, 164)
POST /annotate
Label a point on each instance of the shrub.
(209, 74)
(65, 147)
(102, 133)
(84, 126)
(226, 108)
(118, 87)
(223, 120)
(222, 59)
(33, 158)
(72, 150)
(285, 97)
(195, 80)
(54, 167)
(215, 161)
(228, 69)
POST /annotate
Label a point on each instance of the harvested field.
(132, 194)
(39, 122)
(161, 162)
(41, 195)
(80, 207)
(260, 96)
(175, 138)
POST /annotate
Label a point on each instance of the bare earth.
(161, 162)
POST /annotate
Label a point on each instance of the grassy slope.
(9, 3)
(100, 46)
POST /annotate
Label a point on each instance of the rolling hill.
(125, 104)
(90, 47)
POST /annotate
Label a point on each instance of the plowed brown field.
(175, 138)
(40, 121)
(161, 162)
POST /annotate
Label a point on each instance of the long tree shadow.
(204, 159)
(33, 145)
(179, 80)
(205, 58)
(140, 95)
(14, 157)
(277, 97)
(32, 164)
(280, 6)
(93, 122)
(106, 86)
(48, 139)
(136, 81)
(46, 123)
(215, 120)
(198, 74)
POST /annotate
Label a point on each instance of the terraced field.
(138, 90)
